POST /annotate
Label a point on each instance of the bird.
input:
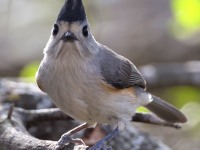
(90, 82)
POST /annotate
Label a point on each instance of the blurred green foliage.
(192, 111)
(181, 95)
(187, 98)
(187, 15)
(142, 109)
(29, 71)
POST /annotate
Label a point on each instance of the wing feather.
(119, 71)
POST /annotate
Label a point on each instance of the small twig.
(33, 116)
(10, 112)
(151, 119)
(56, 114)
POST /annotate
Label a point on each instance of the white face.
(82, 40)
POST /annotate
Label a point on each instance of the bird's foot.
(66, 139)
(101, 145)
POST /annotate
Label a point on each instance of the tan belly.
(96, 106)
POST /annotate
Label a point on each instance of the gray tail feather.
(166, 111)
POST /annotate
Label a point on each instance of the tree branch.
(34, 116)
(152, 119)
(165, 75)
(14, 136)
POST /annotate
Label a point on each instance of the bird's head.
(71, 31)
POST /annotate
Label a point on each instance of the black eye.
(55, 30)
(85, 31)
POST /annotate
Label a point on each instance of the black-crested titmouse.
(90, 82)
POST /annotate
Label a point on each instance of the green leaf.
(142, 109)
(29, 71)
(181, 95)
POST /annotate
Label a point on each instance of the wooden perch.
(14, 135)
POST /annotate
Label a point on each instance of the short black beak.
(69, 37)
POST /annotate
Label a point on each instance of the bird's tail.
(166, 111)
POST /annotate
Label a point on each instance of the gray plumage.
(89, 81)
(166, 111)
(119, 71)
(122, 73)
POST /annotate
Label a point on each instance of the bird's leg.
(101, 145)
(66, 138)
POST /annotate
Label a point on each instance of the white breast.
(76, 88)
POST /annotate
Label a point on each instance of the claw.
(66, 139)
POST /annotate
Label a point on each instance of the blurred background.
(152, 33)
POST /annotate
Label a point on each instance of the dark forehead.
(72, 11)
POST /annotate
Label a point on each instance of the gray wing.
(119, 71)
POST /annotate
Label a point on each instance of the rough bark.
(14, 135)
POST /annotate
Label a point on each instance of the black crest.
(73, 10)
